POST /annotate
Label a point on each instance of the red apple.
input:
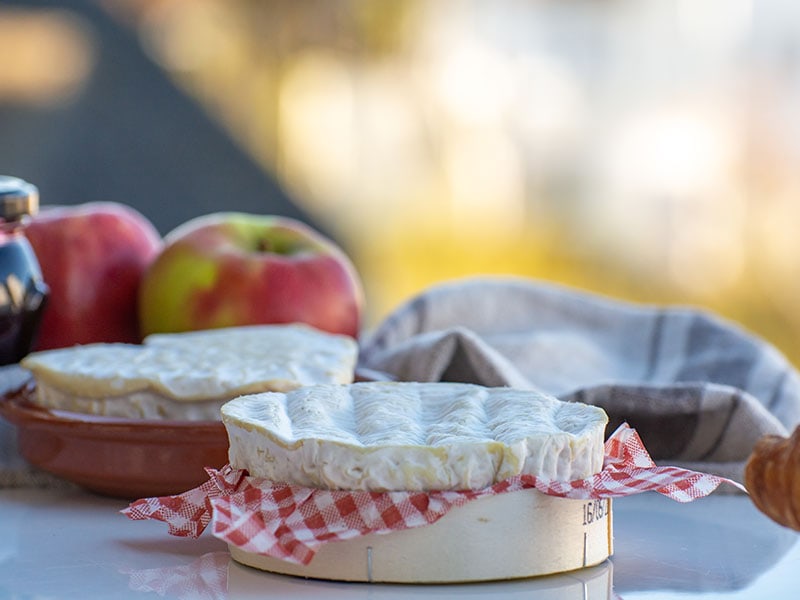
(228, 269)
(92, 256)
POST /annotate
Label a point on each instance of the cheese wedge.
(390, 436)
(188, 376)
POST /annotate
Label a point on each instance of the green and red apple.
(228, 269)
(92, 257)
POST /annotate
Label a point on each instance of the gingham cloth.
(699, 389)
(291, 522)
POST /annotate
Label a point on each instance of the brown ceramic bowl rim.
(123, 458)
(16, 406)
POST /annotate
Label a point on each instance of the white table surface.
(71, 544)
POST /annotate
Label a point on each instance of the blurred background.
(644, 149)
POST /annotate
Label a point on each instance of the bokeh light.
(644, 149)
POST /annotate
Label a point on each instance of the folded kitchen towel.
(700, 390)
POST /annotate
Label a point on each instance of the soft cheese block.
(188, 375)
(386, 436)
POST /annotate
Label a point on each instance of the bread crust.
(772, 478)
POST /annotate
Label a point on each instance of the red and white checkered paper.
(291, 522)
(205, 578)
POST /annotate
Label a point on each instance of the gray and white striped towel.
(700, 390)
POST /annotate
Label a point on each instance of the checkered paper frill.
(204, 578)
(291, 522)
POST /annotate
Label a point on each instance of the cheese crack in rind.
(188, 375)
(411, 436)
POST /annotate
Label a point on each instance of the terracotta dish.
(124, 458)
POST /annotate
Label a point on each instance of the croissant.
(772, 477)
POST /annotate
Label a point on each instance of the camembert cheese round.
(432, 436)
(188, 375)
(387, 436)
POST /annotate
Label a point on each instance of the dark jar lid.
(18, 198)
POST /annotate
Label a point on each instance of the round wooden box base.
(508, 536)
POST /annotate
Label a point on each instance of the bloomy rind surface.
(193, 367)
(411, 436)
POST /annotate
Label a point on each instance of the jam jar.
(23, 293)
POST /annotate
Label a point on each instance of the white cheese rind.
(411, 436)
(200, 369)
(136, 405)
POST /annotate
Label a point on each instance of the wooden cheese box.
(508, 536)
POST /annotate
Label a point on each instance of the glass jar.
(23, 293)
